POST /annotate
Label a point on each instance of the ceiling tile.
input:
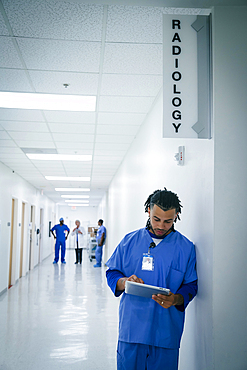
(111, 146)
(114, 118)
(14, 80)
(133, 59)
(4, 135)
(110, 152)
(24, 126)
(131, 85)
(117, 130)
(14, 151)
(8, 57)
(73, 145)
(13, 156)
(40, 136)
(3, 28)
(77, 151)
(35, 144)
(29, 115)
(55, 19)
(74, 137)
(69, 117)
(7, 143)
(125, 104)
(72, 128)
(114, 139)
(134, 24)
(52, 82)
(70, 56)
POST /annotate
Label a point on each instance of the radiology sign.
(186, 86)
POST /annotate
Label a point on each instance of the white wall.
(230, 251)
(13, 186)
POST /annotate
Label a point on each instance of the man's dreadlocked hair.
(165, 200)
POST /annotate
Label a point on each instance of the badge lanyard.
(148, 259)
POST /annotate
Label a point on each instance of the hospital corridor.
(59, 317)
(123, 130)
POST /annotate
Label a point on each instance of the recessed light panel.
(59, 157)
(47, 101)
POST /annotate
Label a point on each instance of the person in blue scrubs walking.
(150, 330)
(100, 238)
(61, 238)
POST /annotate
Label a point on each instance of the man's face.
(77, 223)
(161, 221)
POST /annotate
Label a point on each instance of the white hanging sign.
(180, 76)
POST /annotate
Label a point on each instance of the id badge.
(147, 262)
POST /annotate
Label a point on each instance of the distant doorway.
(12, 253)
(22, 238)
(40, 234)
(31, 236)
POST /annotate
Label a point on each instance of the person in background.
(79, 233)
(100, 238)
(150, 330)
(61, 238)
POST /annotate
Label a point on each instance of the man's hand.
(121, 282)
(166, 301)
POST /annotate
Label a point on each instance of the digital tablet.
(144, 290)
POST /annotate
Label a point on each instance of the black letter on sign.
(175, 90)
(176, 23)
(179, 76)
(179, 102)
(176, 114)
(176, 37)
(176, 50)
(176, 127)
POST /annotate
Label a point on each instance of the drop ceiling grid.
(131, 79)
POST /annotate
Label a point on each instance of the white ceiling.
(113, 52)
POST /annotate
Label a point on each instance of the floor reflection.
(59, 316)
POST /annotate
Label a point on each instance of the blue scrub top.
(142, 320)
(60, 231)
(100, 231)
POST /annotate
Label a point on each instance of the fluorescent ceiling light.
(59, 157)
(47, 101)
(65, 178)
(76, 200)
(75, 196)
(78, 205)
(72, 189)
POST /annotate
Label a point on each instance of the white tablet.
(144, 290)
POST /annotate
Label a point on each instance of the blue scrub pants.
(135, 356)
(57, 248)
(98, 254)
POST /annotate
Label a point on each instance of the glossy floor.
(59, 317)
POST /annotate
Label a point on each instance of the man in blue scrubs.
(100, 238)
(60, 237)
(150, 330)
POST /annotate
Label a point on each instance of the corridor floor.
(59, 317)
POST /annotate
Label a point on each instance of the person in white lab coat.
(79, 233)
